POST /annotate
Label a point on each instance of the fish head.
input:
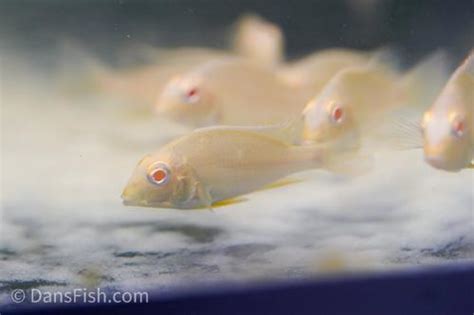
(446, 134)
(327, 119)
(160, 181)
(188, 100)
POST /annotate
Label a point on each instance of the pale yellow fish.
(312, 72)
(80, 72)
(142, 84)
(217, 163)
(229, 92)
(356, 98)
(448, 125)
(259, 40)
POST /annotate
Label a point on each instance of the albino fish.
(229, 92)
(312, 72)
(142, 84)
(217, 163)
(259, 40)
(448, 125)
(355, 100)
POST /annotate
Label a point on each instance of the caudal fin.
(78, 72)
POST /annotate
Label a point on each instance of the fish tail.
(79, 72)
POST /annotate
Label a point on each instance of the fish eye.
(458, 127)
(337, 114)
(159, 174)
(192, 95)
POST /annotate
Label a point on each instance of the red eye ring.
(159, 175)
(192, 95)
(337, 114)
(458, 127)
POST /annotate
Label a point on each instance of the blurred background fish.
(255, 39)
(354, 101)
(229, 92)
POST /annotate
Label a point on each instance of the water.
(66, 157)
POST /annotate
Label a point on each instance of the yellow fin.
(228, 202)
(281, 183)
(236, 200)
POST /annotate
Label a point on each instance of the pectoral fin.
(203, 196)
(396, 130)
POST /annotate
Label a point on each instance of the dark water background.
(416, 27)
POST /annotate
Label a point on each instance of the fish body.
(143, 84)
(217, 163)
(256, 40)
(448, 125)
(229, 92)
(356, 99)
(351, 97)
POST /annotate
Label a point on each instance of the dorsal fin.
(422, 83)
(387, 57)
(468, 64)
